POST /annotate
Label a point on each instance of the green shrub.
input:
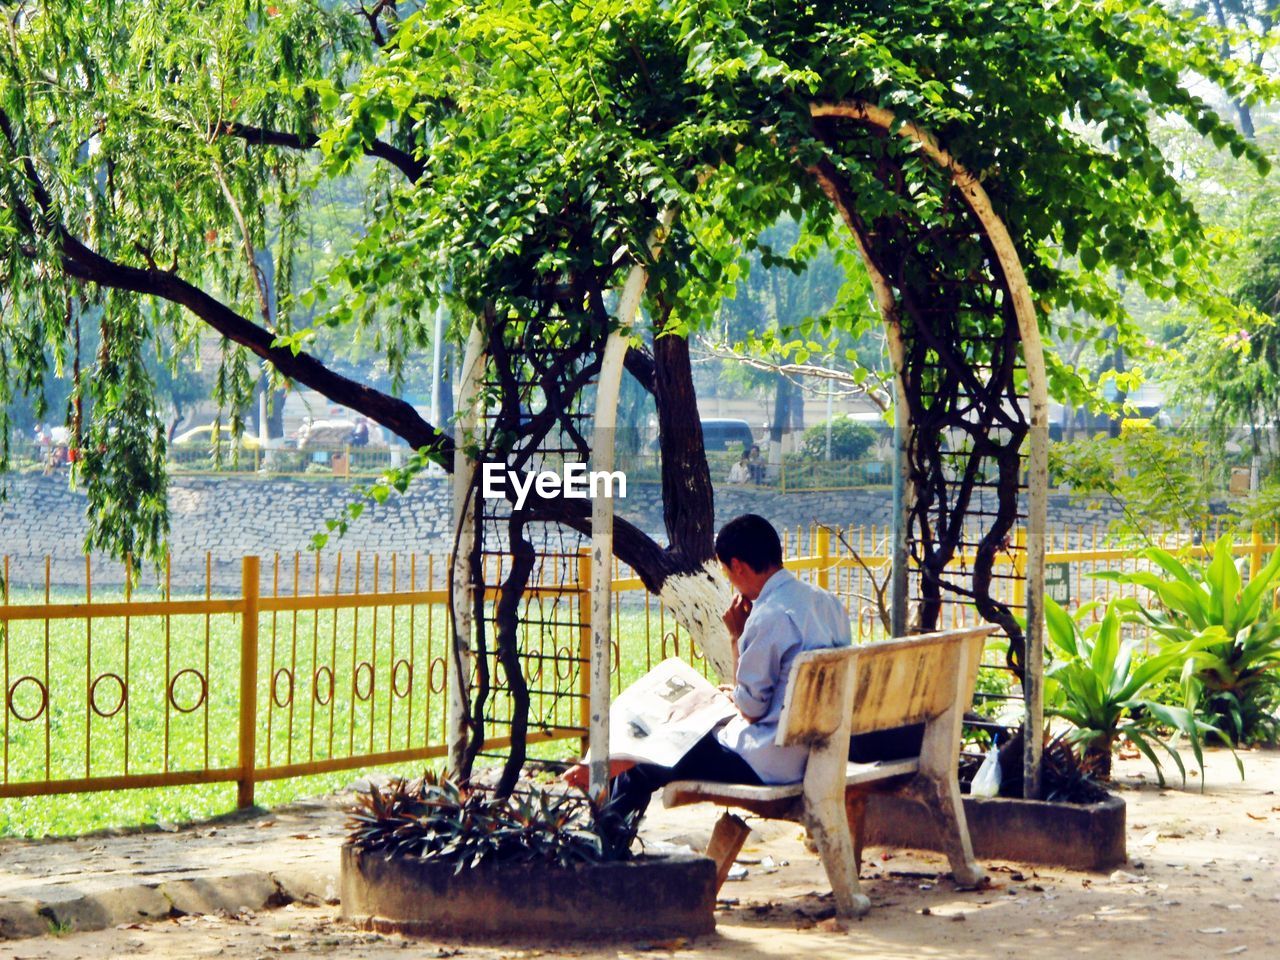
(850, 440)
(1228, 632)
(435, 818)
(1098, 684)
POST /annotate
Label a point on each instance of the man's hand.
(735, 618)
(579, 773)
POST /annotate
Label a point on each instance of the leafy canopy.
(525, 148)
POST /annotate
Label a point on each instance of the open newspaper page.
(662, 715)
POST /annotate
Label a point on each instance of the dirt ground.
(1202, 881)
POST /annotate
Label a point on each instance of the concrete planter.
(1083, 836)
(648, 897)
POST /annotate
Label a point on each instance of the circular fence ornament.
(436, 686)
(396, 676)
(563, 659)
(866, 621)
(173, 684)
(123, 695)
(13, 693)
(328, 690)
(365, 670)
(287, 699)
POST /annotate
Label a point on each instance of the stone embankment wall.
(229, 517)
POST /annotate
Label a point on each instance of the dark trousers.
(707, 760)
(893, 744)
(711, 760)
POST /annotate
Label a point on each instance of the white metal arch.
(461, 595)
(1037, 389)
(608, 384)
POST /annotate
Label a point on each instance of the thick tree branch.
(84, 263)
(639, 363)
(407, 163)
(375, 25)
(653, 563)
(395, 414)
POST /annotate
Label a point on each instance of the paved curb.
(136, 900)
(246, 862)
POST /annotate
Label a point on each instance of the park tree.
(786, 328)
(1222, 368)
(1237, 368)
(1248, 31)
(529, 157)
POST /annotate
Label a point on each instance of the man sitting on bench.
(772, 618)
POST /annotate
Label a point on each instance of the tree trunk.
(507, 648)
(447, 380)
(693, 588)
(1117, 364)
(275, 414)
(781, 411)
(1242, 108)
(1246, 120)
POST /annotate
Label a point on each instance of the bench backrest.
(894, 683)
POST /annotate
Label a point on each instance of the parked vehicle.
(203, 436)
(324, 433)
(724, 434)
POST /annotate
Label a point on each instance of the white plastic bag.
(986, 783)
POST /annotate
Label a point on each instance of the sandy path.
(1202, 881)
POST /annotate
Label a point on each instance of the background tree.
(797, 304)
(1248, 32)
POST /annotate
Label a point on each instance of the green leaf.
(1062, 632)
(1224, 584)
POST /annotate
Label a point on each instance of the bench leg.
(855, 811)
(941, 797)
(727, 838)
(828, 825)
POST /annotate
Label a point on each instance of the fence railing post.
(584, 644)
(249, 574)
(824, 558)
(1020, 568)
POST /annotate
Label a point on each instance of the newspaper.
(662, 715)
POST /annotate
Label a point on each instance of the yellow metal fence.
(317, 666)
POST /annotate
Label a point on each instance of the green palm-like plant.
(1097, 683)
(1228, 630)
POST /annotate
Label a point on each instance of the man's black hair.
(751, 539)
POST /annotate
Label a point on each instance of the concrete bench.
(833, 694)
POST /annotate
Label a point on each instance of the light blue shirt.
(788, 617)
